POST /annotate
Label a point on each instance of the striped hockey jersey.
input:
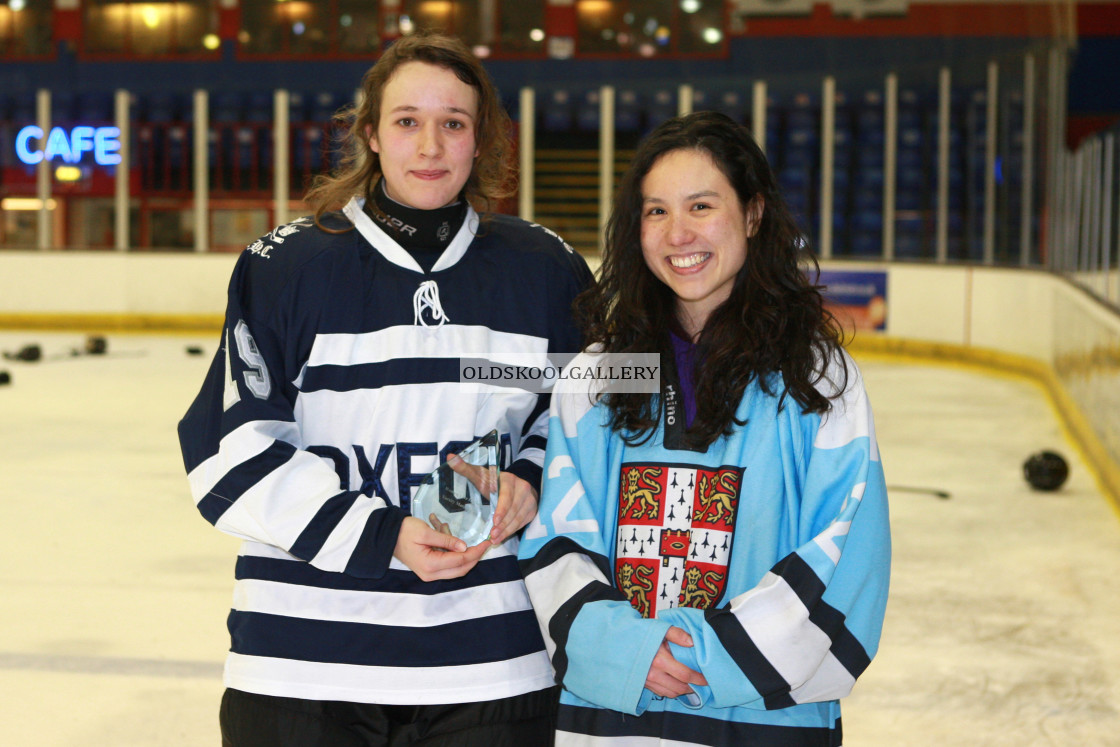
(771, 549)
(335, 391)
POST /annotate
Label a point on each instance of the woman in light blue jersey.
(710, 563)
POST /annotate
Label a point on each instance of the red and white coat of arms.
(675, 527)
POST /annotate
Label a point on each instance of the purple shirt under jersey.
(684, 354)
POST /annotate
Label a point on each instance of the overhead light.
(150, 16)
(26, 203)
(68, 173)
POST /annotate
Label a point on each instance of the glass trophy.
(459, 496)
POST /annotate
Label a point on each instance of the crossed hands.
(433, 555)
(667, 676)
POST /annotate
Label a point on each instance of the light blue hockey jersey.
(771, 549)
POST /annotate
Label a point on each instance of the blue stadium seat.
(258, 107)
(660, 106)
(163, 107)
(227, 106)
(556, 111)
(731, 102)
(908, 198)
(297, 107)
(324, 105)
(627, 111)
(95, 107)
(587, 111)
(21, 108)
(841, 148)
(870, 132)
(908, 237)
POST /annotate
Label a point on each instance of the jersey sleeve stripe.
(528, 471)
(758, 669)
(311, 540)
(535, 443)
(536, 424)
(371, 556)
(559, 547)
(237, 482)
(810, 589)
(239, 445)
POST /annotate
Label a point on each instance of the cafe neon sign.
(103, 142)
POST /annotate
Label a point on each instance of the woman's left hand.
(517, 505)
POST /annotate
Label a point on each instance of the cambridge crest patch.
(675, 528)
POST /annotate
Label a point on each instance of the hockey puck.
(5, 378)
(96, 345)
(27, 354)
(1046, 470)
(194, 350)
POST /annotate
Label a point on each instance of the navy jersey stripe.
(529, 472)
(236, 482)
(559, 547)
(534, 442)
(850, 652)
(692, 728)
(400, 372)
(476, 641)
(544, 402)
(801, 578)
(488, 571)
(375, 547)
(311, 540)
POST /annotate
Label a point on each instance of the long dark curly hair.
(773, 322)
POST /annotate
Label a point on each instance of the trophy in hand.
(459, 497)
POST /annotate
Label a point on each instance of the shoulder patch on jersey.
(264, 245)
(556, 236)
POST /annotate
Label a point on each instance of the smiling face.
(426, 136)
(694, 232)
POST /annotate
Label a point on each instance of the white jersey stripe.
(778, 622)
(446, 341)
(389, 685)
(377, 608)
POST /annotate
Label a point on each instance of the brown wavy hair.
(359, 170)
(773, 328)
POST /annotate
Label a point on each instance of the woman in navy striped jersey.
(337, 389)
